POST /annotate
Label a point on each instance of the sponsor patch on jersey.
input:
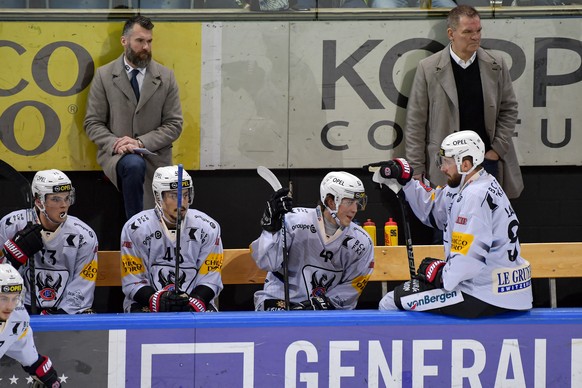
(89, 272)
(360, 282)
(461, 242)
(126, 244)
(212, 263)
(430, 300)
(507, 280)
(461, 220)
(131, 265)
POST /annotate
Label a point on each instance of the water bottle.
(390, 233)
(370, 227)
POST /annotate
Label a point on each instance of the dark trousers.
(130, 177)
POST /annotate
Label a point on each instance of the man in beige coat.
(134, 107)
(485, 103)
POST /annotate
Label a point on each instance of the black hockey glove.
(168, 301)
(430, 270)
(42, 370)
(398, 169)
(23, 245)
(314, 303)
(279, 204)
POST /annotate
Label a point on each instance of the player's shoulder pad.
(196, 216)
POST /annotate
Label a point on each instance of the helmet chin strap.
(163, 217)
(62, 216)
(333, 214)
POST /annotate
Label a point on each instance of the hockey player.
(16, 340)
(484, 273)
(330, 258)
(64, 248)
(148, 246)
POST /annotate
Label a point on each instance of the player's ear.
(329, 202)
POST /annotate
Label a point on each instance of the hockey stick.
(178, 227)
(271, 179)
(7, 172)
(397, 189)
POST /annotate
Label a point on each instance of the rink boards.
(541, 348)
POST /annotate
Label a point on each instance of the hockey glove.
(314, 303)
(430, 270)
(168, 301)
(23, 245)
(197, 305)
(279, 204)
(398, 169)
(43, 371)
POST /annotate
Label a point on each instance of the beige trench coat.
(113, 111)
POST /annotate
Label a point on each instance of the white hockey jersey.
(148, 254)
(338, 267)
(480, 237)
(16, 339)
(66, 267)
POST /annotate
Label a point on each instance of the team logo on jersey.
(170, 278)
(320, 284)
(49, 286)
(461, 242)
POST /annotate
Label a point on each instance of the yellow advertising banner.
(45, 76)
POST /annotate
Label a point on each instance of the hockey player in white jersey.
(63, 247)
(330, 258)
(484, 273)
(16, 340)
(148, 246)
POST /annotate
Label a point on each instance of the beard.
(141, 59)
(455, 180)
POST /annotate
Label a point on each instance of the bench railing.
(548, 260)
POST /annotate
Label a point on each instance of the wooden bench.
(548, 260)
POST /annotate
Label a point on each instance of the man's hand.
(314, 303)
(430, 270)
(43, 371)
(23, 245)
(125, 145)
(279, 204)
(166, 300)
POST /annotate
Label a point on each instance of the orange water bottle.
(370, 227)
(391, 233)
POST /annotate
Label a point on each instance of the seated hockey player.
(484, 273)
(63, 248)
(330, 258)
(148, 252)
(16, 340)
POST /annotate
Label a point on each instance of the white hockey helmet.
(461, 144)
(166, 179)
(10, 280)
(342, 185)
(51, 182)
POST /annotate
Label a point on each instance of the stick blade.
(14, 190)
(268, 175)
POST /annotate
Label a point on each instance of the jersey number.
(169, 257)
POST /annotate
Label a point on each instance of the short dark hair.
(143, 21)
(456, 13)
